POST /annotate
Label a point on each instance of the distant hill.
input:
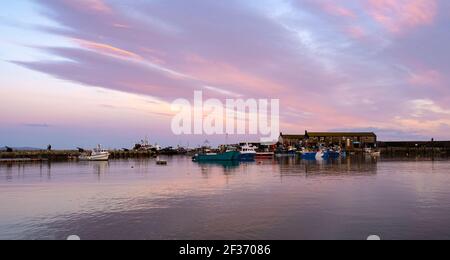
(21, 149)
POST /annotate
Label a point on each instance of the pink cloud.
(337, 10)
(400, 15)
(429, 78)
(106, 49)
(221, 73)
(356, 32)
(90, 5)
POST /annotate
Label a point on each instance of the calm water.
(287, 199)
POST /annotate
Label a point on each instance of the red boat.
(265, 155)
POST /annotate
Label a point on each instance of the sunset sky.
(78, 73)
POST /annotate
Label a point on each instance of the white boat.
(375, 154)
(248, 153)
(98, 154)
(319, 155)
(372, 152)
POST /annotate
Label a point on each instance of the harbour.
(311, 186)
(304, 146)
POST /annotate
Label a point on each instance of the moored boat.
(98, 154)
(145, 145)
(290, 152)
(217, 157)
(308, 155)
(265, 155)
(375, 154)
(321, 155)
(247, 153)
(332, 154)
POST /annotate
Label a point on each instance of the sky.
(78, 73)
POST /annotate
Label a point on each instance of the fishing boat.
(98, 154)
(265, 155)
(145, 145)
(290, 152)
(320, 155)
(229, 155)
(372, 152)
(375, 154)
(247, 153)
(333, 154)
(308, 155)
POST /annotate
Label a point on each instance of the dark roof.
(331, 134)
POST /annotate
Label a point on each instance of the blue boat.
(321, 155)
(332, 154)
(247, 153)
(309, 156)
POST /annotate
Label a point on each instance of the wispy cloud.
(400, 15)
(34, 125)
(106, 49)
(95, 6)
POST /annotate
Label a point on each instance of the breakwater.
(38, 155)
(415, 149)
(26, 156)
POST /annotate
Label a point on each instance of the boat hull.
(247, 157)
(286, 154)
(375, 154)
(100, 157)
(220, 157)
(320, 155)
(333, 155)
(267, 155)
(309, 156)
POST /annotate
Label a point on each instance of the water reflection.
(283, 198)
(284, 166)
(45, 170)
(349, 166)
(100, 168)
(226, 165)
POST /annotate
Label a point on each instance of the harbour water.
(280, 199)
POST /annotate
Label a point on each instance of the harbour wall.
(415, 149)
(17, 156)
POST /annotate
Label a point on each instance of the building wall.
(368, 140)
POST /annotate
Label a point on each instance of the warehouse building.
(344, 139)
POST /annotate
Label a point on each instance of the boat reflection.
(100, 168)
(224, 164)
(350, 166)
